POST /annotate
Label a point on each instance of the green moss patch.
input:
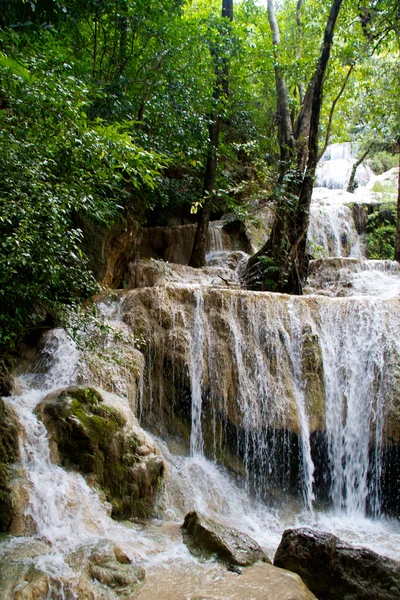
(8, 455)
(91, 438)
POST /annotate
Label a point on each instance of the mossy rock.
(8, 455)
(93, 438)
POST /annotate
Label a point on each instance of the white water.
(335, 166)
(196, 376)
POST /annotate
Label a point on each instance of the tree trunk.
(281, 264)
(397, 241)
(198, 256)
(351, 186)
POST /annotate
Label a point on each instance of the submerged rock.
(106, 565)
(213, 581)
(100, 572)
(96, 433)
(333, 570)
(8, 455)
(203, 535)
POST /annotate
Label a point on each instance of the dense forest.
(181, 111)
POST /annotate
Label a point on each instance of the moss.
(8, 455)
(90, 438)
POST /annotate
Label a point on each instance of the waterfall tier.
(267, 367)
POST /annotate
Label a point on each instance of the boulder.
(8, 455)
(333, 570)
(96, 433)
(202, 535)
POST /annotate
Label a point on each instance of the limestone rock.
(386, 183)
(99, 572)
(151, 273)
(109, 567)
(333, 570)
(205, 536)
(8, 455)
(96, 433)
(313, 376)
(110, 249)
(174, 244)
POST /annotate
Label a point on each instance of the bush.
(381, 232)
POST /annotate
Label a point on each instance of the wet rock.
(118, 368)
(100, 572)
(151, 273)
(110, 249)
(174, 244)
(333, 570)
(385, 184)
(96, 433)
(106, 565)
(22, 522)
(313, 377)
(203, 535)
(8, 455)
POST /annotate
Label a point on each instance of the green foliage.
(382, 161)
(55, 163)
(271, 272)
(381, 232)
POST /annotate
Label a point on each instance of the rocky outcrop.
(96, 433)
(204, 536)
(174, 244)
(152, 273)
(99, 572)
(114, 364)
(344, 277)
(8, 455)
(385, 184)
(332, 569)
(108, 566)
(313, 377)
(110, 249)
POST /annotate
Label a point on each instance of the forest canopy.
(105, 110)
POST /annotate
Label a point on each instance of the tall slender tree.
(281, 264)
(221, 92)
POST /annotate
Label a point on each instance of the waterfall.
(215, 236)
(263, 367)
(196, 375)
(356, 339)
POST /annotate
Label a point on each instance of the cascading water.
(196, 376)
(356, 339)
(256, 379)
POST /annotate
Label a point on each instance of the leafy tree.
(55, 163)
(220, 95)
(298, 142)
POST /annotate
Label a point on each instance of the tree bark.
(198, 256)
(285, 132)
(397, 240)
